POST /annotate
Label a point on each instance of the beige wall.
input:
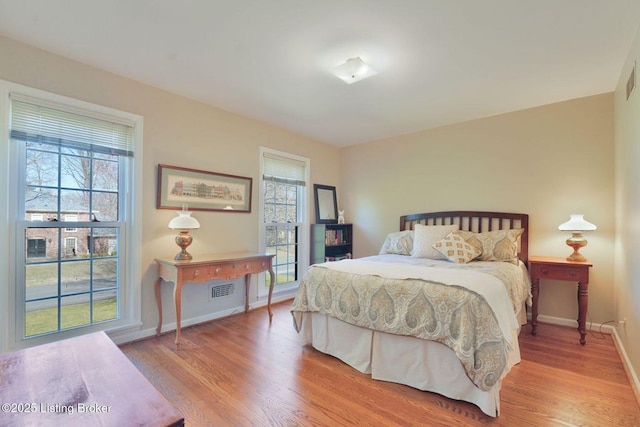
(627, 155)
(181, 132)
(547, 162)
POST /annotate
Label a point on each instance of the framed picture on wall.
(202, 190)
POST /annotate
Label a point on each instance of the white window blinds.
(38, 121)
(285, 171)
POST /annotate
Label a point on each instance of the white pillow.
(425, 236)
(455, 249)
(400, 242)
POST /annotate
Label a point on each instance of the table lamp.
(184, 222)
(576, 225)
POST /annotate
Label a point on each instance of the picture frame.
(199, 190)
(326, 205)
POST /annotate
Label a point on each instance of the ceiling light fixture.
(353, 70)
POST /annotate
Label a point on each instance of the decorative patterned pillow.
(426, 236)
(499, 245)
(400, 242)
(455, 249)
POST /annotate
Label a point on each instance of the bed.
(438, 309)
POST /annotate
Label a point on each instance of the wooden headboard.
(475, 221)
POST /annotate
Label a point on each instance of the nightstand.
(556, 268)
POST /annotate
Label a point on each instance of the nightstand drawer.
(561, 272)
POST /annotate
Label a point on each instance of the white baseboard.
(121, 337)
(609, 329)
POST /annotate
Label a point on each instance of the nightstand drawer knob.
(218, 270)
(544, 271)
(196, 273)
(572, 273)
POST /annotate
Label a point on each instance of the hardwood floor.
(239, 371)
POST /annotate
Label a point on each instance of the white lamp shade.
(577, 223)
(353, 70)
(184, 221)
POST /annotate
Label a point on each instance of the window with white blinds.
(75, 243)
(284, 208)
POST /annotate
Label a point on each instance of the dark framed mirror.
(326, 205)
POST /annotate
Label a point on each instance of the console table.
(81, 381)
(560, 269)
(227, 266)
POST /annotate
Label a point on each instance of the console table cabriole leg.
(583, 301)
(159, 303)
(271, 283)
(535, 291)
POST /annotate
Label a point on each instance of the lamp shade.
(353, 70)
(577, 223)
(184, 221)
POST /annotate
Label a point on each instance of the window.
(284, 216)
(71, 218)
(74, 273)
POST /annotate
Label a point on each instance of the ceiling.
(438, 61)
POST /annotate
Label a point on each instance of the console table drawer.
(195, 273)
(257, 266)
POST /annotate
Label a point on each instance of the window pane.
(104, 306)
(41, 317)
(292, 213)
(269, 214)
(42, 168)
(104, 242)
(105, 175)
(281, 214)
(74, 200)
(41, 281)
(76, 171)
(75, 277)
(105, 273)
(42, 200)
(75, 311)
(105, 206)
(269, 192)
(41, 243)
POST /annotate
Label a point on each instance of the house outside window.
(284, 217)
(70, 156)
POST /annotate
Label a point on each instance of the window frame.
(11, 220)
(303, 225)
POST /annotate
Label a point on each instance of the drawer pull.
(572, 273)
(196, 273)
(246, 266)
(544, 271)
(218, 270)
